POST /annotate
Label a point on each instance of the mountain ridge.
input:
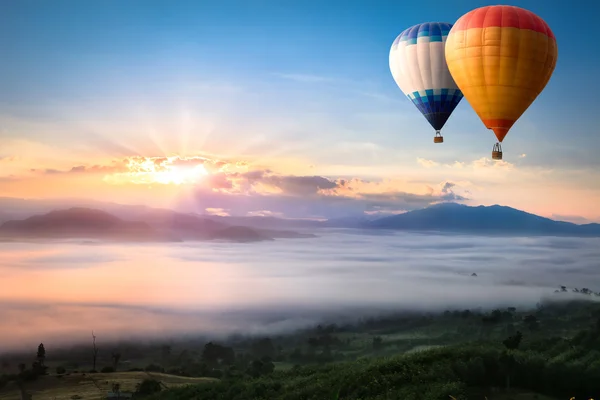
(157, 225)
(454, 217)
(441, 217)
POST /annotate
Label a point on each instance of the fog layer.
(59, 292)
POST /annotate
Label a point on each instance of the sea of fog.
(60, 291)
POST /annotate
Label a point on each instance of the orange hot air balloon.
(501, 58)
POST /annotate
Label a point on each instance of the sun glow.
(180, 175)
(163, 170)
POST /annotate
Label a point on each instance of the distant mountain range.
(452, 217)
(144, 223)
(157, 225)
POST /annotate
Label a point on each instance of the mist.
(58, 292)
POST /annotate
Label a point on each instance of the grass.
(92, 386)
(512, 395)
(419, 359)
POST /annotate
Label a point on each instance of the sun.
(173, 170)
(180, 175)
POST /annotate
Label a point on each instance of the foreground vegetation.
(553, 350)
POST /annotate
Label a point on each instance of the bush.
(148, 386)
(106, 370)
(60, 370)
(154, 368)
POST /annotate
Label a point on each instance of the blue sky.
(304, 81)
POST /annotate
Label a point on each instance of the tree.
(260, 367)
(214, 353)
(532, 322)
(94, 351)
(513, 342)
(148, 386)
(41, 354)
(115, 358)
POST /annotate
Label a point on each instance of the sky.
(264, 107)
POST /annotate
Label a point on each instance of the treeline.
(556, 367)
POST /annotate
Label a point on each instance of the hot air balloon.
(501, 57)
(418, 65)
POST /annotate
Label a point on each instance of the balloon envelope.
(501, 57)
(418, 65)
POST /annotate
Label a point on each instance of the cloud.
(446, 188)
(264, 213)
(318, 196)
(522, 155)
(488, 163)
(221, 212)
(322, 278)
(482, 163)
(115, 167)
(299, 185)
(427, 163)
(237, 187)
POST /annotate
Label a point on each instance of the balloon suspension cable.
(438, 138)
(497, 151)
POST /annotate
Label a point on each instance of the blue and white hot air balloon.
(418, 65)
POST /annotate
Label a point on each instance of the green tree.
(513, 342)
(148, 386)
(41, 354)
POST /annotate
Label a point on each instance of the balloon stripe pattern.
(418, 65)
(501, 57)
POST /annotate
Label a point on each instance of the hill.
(452, 217)
(445, 217)
(151, 225)
(203, 227)
(186, 226)
(239, 234)
(81, 223)
(92, 386)
(395, 355)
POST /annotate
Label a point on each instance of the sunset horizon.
(299, 200)
(150, 113)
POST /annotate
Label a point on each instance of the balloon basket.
(497, 152)
(438, 139)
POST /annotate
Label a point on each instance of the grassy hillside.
(468, 354)
(91, 386)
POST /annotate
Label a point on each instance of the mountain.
(16, 208)
(452, 217)
(186, 226)
(81, 222)
(151, 225)
(267, 222)
(239, 234)
(445, 217)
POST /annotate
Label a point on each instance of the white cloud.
(427, 163)
(221, 212)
